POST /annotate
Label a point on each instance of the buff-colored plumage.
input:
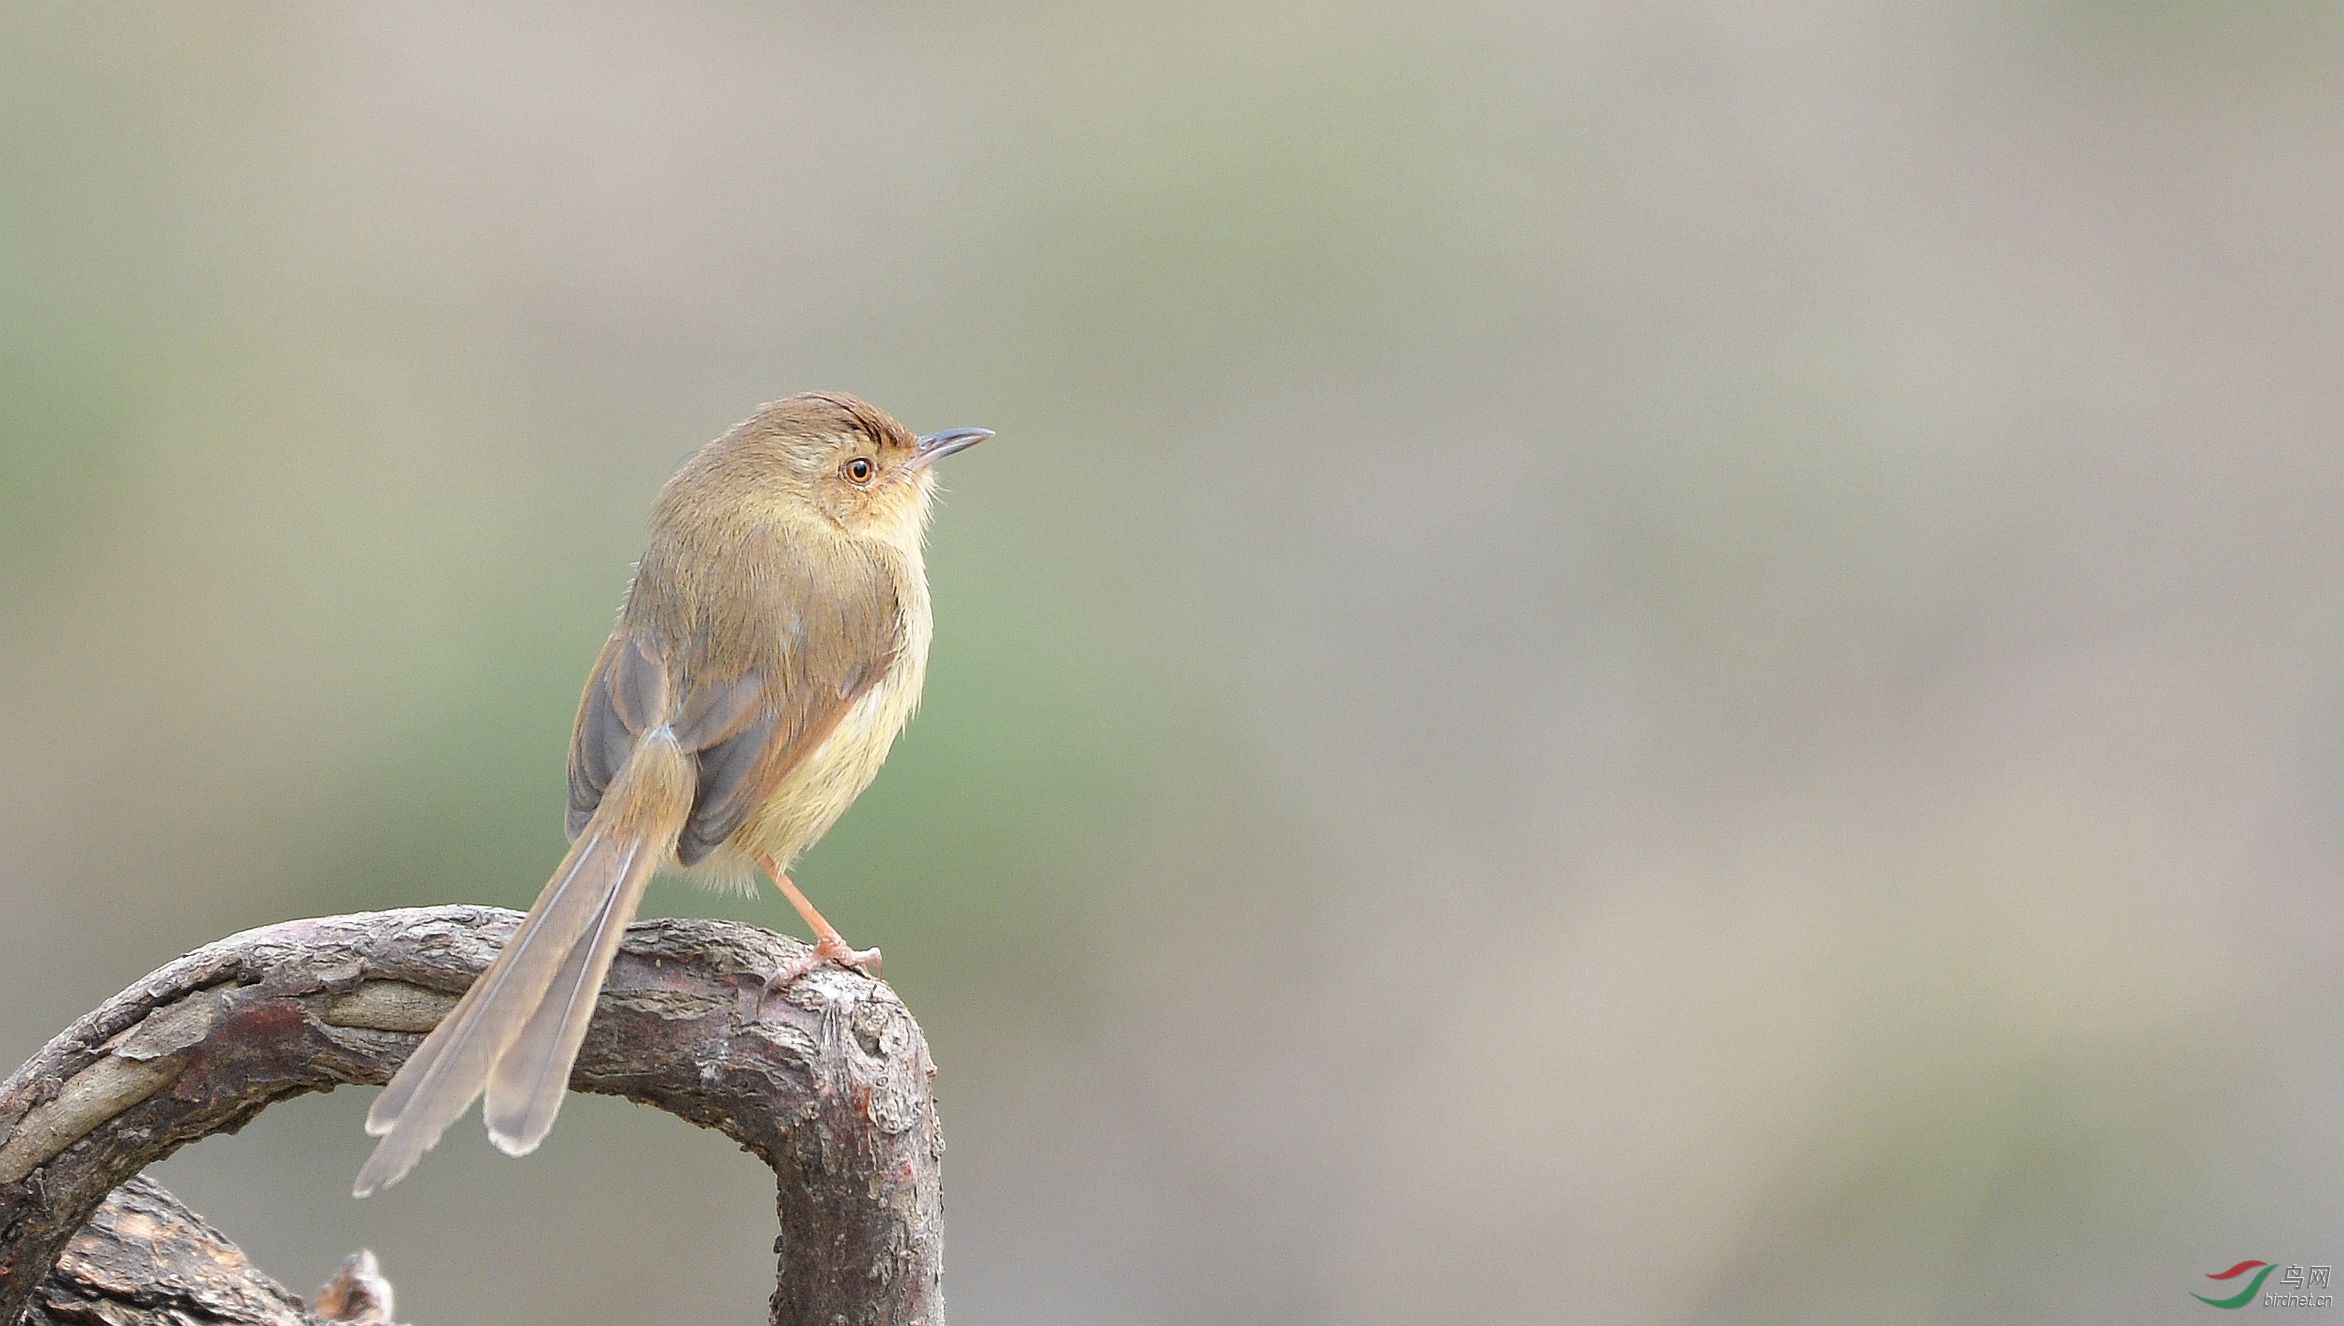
(771, 648)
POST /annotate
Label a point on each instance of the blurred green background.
(1617, 662)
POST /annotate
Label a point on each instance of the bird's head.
(853, 463)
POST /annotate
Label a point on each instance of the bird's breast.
(811, 797)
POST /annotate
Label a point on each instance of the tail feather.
(528, 1084)
(551, 958)
(539, 939)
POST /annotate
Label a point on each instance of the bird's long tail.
(515, 1033)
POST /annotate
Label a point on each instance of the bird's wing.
(748, 693)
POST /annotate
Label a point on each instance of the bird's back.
(807, 599)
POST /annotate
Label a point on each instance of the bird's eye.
(860, 469)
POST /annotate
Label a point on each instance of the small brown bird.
(770, 650)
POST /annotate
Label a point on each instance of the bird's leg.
(829, 945)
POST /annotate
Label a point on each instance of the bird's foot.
(829, 948)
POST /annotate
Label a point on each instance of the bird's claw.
(830, 948)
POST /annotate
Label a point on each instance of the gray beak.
(936, 446)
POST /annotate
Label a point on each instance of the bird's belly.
(810, 798)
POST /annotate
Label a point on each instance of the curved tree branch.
(146, 1260)
(826, 1081)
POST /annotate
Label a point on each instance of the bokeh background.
(1617, 662)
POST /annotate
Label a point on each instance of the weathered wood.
(827, 1081)
(146, 1260)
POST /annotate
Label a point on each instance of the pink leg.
(829, 945)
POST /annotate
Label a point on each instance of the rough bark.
(827, 1081)
(146, 1260)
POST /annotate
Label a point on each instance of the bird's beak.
(936, 446)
